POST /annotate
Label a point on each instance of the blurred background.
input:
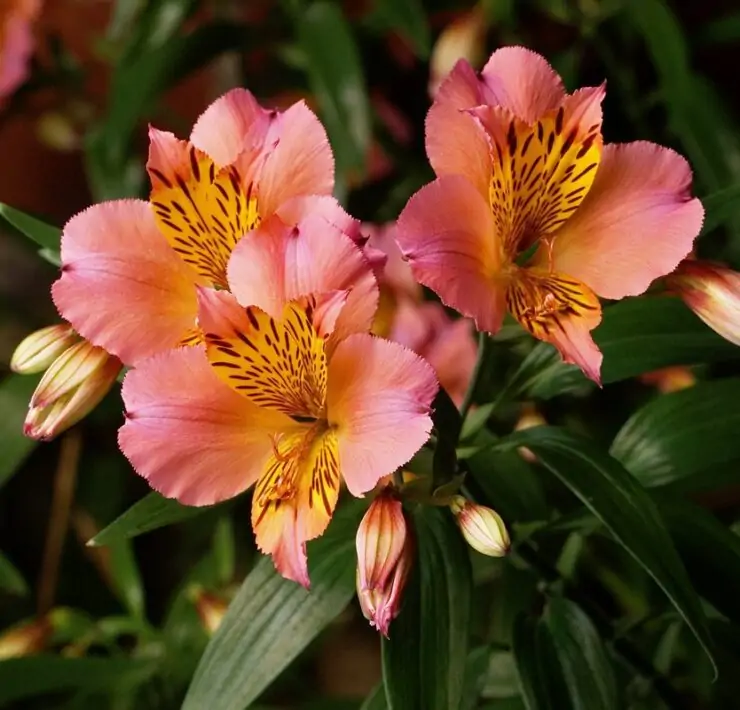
(74, 132)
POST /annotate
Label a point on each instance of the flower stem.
(64, 486)
(467, 402)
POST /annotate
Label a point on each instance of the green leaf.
(337, 80)
(447, 425)
(509, 484)
(720, 31)
(608, 490)
(710, 552)
(15, 394)
(587, 670)
(125, 577)
(475, 676)
(137, 84)
(151, 512)
(424, 659)
(11, 580)
(720, 207)
(36, 675)
(46, 236)
(43, 234)
(530, 658)
(409, 19)
(271, 620)
(376, 700)
(124, 17)
(637, 335)
(688, 437)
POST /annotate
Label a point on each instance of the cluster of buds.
(384, 558)
(78, 375)
(385, 550)
(712, 291)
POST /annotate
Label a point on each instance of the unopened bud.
(482, 528)
(70, 389)
(670, 379)
(530, 418)
(210, 607)
(25, 639)
(55, 130)
(384, 556)
(38, 350)
(712, 291)
(464, 38)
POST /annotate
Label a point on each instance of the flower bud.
(670, 379)
(482, 528)
(38, 350)
(529, 418)
(25, 639)
(384, 554)
(712, 291)
(463, 38)
(70, 389)
(210, 607)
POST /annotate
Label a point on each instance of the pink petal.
(188, 434)
(232, 123)
(220, 313)
(378, 397)
(299, 208)
(396, 272)
(122, 287)
(447, 345)
(455, 144)
(446, 232)
(301, 163)
(636, 223)
(281, 540)
(278, 263)
(168, 157)
(523, 82)
(17, 45)
(576, 346)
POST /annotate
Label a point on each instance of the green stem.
(467, 402)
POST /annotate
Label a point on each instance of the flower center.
(203, 212)
(541, 174)
(277, 364)
(539, 299)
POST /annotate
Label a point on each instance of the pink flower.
(712, 291)
(530, 212)
(447, 345)
(131, 269)
(17, 18)
(287, 393)
(403, 316)
(384, 555)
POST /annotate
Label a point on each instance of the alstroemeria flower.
(530, 212)
(447, 345)
(286, 393)
(130, 268)
(16, 42)
(423, 326)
